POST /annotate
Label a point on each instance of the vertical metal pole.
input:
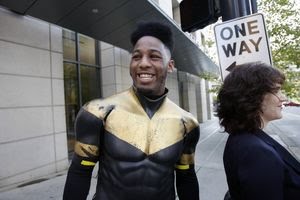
(242, 8)
(231, 9)
(78, 68)
(254, 6)
(98, 66)
(248, 7)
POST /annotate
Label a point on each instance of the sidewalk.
(209, 161)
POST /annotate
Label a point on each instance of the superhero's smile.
(145, 77)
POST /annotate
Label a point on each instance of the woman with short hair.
(257, 167)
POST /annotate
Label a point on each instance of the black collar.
(150, 104)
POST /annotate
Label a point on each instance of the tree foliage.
(283, 25)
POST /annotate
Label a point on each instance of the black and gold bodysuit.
(139, 144)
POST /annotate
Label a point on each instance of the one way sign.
(242, 40)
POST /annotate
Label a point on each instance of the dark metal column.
(254, 6)
(243, 8)
(231, 9)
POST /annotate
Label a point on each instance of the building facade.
(47, 72)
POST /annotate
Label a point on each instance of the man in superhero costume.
(140, 138)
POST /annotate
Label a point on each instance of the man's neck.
(150, 103)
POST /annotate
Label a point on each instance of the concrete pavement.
(209, 168)
(209, 161)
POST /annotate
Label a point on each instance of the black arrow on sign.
(231, 67)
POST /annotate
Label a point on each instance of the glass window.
(87, 50)
(90, 83)
(71, 101)
(81, 77)
(69, 45)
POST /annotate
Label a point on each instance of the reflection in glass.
(87, 50)
(69, 45)
(71, 101)
(80, 86)
(90, 83)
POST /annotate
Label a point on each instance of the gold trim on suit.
(83, 150)
(187, 159)
(129, 122)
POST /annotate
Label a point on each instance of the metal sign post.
(242, 40)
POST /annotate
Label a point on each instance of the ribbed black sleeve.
(187, 184)
(186, 179)
(78, 182)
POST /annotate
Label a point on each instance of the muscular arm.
(88, 128)
(186, 179)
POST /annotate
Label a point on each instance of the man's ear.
(171, 66)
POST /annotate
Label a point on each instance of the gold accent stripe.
(82, 149)
(87, 163)
(182, 167)
(187, 159)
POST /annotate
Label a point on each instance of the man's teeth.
(146, 76)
